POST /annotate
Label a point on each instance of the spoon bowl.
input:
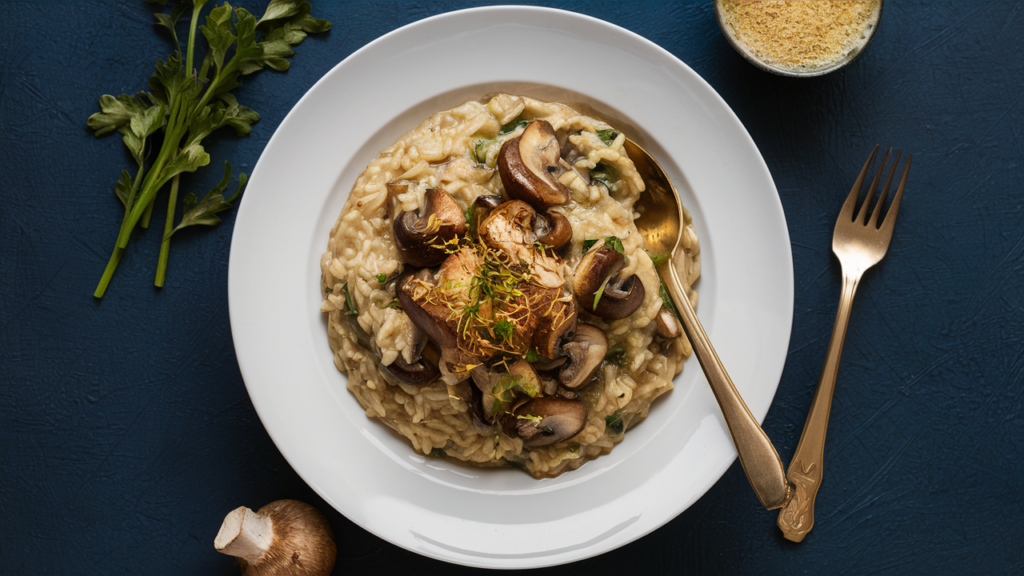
(660, 225)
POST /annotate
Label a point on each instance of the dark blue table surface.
(126, 432)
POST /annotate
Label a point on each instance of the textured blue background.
(126, 433)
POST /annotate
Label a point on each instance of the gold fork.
(859, 245)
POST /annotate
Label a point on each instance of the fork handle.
(805, 470)
(757, 455)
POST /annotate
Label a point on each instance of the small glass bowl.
(810, 72)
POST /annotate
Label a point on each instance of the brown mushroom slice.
(599, 289)
(548, 420)
(429, 318)
(526, 377)
(668, 326)
(422, 238)
(529, 167)
(482, 206)
(586, 352)
(552, 229)
(554, 327)
(419, 373)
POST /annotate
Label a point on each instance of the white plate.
(503, 518)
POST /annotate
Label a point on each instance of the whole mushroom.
(283, 537)
(529, 167)
(599, 289)
(422, 238)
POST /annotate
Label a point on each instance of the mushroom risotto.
(489, 295)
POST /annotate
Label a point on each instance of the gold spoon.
(660, 225)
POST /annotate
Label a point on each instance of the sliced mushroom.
(421, 238)
(422, 371)
(552, 229)
(526, 377)
(668, 326)
(554, 327)
(586, 352)
(600, 290)
(547, 420)
(427, 317)
(482, 206)
(529, 167)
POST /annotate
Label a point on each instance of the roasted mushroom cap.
(586, 352)
(421, 238)
(529, 167)
(668, 326)
(547, 420)
(600, 291)
(552, 229)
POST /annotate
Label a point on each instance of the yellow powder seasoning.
(799, 35)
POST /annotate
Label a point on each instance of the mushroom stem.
(245, 534)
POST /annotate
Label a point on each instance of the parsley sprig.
(185, 105)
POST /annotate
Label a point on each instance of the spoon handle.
(757, 455)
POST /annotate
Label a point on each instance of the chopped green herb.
(616, 356)
(607, 136)
(529, 417)
(437, 453)
(503, 329)
(615, 243)
(658, 258)
(613, 424)
(667, 302)
(393, 304)
(600, 291)
(531, 356)
(587, 244)
(382, 277)
(605, 174)
(349, 302)
(513, 125)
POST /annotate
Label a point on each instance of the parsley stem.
(196, 8)
(146, 216)
(165, 244)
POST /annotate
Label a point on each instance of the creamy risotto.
(489, 296)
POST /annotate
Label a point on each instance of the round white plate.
(503, 518)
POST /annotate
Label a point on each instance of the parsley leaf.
(658, 258)
(607, 136)
(616, 356)
(587, 244)
(531, 356)
(205, 212)
(503, 329)
(513, 125)
(666, 301)
(615, 244)
(614, 425)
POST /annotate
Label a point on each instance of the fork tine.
(885, 192)
(851, 200)
(871, 190)
(890, 216)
